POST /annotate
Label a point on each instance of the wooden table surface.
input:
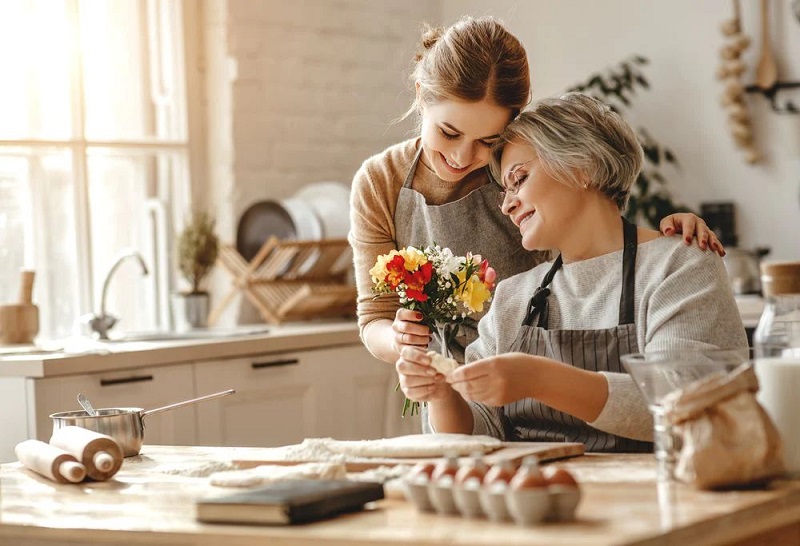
(622, 504)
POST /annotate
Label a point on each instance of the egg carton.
(498, 502)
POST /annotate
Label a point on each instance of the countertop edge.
(132, 355)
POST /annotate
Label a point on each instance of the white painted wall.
(567, 40)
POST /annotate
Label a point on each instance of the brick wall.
(315, 88)
(301, 91)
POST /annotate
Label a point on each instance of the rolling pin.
(50, 461)
(19, 322)
(100, 454)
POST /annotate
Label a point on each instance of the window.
(93, 154)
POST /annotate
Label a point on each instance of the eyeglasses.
(512, 181)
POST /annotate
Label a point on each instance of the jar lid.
(780, 278)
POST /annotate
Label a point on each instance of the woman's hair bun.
(430, 36)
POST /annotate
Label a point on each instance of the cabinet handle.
(274, 363)
(134, 379)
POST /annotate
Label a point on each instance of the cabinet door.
(276, 400)
(283, 398)
(146, 388)
(354, 400)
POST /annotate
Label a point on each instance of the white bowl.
(330, 201)
(307, 227)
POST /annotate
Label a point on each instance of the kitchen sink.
(85, 345)
(194, 334)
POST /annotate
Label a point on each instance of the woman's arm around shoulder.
(687, 300)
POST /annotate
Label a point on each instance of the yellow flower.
(413, 258)
(474, 294)
(379, 270)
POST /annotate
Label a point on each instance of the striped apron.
(594, 350)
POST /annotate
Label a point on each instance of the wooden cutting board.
(511, 451)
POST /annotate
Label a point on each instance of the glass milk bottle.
(777, 351)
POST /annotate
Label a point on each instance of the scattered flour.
(381, 474)
(202, 470)
(270, 473)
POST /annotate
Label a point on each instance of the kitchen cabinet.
(146, 388)
(297, 381)
(283, 398)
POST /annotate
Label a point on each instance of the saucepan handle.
(187, 402)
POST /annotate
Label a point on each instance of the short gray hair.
(581, 142)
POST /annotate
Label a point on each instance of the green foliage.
(197, 249)
(650, 199)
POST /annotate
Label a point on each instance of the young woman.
(471, 80)
(546, 365)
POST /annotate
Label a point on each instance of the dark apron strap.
(538, 303)
(631, 241)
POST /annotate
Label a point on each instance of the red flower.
(396, 268)
(416, 281)
(416, 295)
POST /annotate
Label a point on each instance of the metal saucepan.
(125, 425)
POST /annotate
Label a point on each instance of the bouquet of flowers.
(445, 288)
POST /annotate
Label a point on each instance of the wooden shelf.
(291, 280)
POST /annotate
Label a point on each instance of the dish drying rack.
(291, 280)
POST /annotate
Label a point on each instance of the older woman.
(546, 365)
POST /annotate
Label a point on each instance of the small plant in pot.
(197, 253)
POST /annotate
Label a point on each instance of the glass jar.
(778, 330)
(777, 355)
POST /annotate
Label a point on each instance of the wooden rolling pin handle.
(72, 471)
(26, 286)
(50, 461)
(103, 461)
(86, 445)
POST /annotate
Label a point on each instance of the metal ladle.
(85, 404)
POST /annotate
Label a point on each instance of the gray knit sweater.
(682, 300)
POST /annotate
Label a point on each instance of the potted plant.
(197, 252)
(650, 199)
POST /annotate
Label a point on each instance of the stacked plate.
(317, 211)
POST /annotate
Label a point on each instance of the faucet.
(101, 323)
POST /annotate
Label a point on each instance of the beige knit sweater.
(373, 199)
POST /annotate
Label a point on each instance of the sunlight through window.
(93, 140)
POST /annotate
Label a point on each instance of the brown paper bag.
(728, 438)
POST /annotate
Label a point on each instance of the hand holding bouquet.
(444, 288)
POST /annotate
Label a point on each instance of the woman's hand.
(496, 380)
(500, 380)
(691, 225)
(408, 332)
(418, 380)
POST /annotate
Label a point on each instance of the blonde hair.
(472, 60)
(580, 142)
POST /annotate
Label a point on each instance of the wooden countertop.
(622, 504)
(100, 356)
